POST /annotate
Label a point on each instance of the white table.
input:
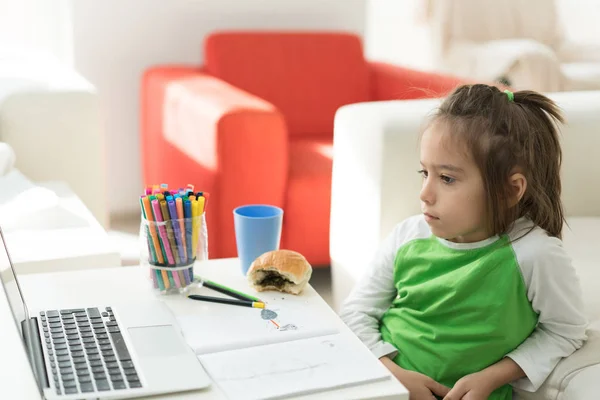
(127, 284)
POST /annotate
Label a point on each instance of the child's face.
(452, 197)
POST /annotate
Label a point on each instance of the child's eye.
(423, 173)
(446, 179)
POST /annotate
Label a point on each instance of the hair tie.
(511, 96)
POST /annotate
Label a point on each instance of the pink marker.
(162, 231)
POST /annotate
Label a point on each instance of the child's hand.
(420, 387)
(471, 387)
(480, 385)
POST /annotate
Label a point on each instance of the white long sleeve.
(375, 291)
(554, 292)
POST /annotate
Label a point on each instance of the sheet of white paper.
(294, 368)
(229, 327)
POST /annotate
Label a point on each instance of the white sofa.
(375, 186)
(50, 116)
(522, 41)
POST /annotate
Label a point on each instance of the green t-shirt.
(457, 311)
(449, 309)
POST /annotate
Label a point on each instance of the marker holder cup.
(165, 250)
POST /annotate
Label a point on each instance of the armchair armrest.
(239, 141)
(375, 147)
(155, 151)
(390, 82)
(575, 377)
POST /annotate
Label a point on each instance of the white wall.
(115, 40)
(38, 26)
(580, 20)
(396, 32)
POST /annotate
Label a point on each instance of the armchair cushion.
(308, 197)
(581, 382)
(307, 76)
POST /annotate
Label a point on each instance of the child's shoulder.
(533, 244)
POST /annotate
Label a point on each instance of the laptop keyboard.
(87, 351)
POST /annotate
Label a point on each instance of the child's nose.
(427, 194)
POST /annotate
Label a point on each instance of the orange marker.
(155, 240)
(153, 234)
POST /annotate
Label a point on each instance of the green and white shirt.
(449, 309)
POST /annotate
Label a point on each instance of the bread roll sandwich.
(283, 270)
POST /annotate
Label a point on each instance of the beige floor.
(124, 233)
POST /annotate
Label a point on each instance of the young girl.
(477, 292)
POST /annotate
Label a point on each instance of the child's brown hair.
(508, 132)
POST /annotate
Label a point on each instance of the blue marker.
(175, 224)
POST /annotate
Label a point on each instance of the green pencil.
(225, 290)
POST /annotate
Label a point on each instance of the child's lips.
(429, 217)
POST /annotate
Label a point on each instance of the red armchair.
(255, 125)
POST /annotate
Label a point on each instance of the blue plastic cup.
(257, 230)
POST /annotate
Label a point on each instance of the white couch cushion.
(571, 375)
(571, 379)
(581, 383)
(581, 239)
(582, 75)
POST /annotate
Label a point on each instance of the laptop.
(101, 352)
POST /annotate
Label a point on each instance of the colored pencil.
(228, 291)
(253, 304)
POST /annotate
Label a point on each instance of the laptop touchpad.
(157, 341)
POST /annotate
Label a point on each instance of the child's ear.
(518, 186)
